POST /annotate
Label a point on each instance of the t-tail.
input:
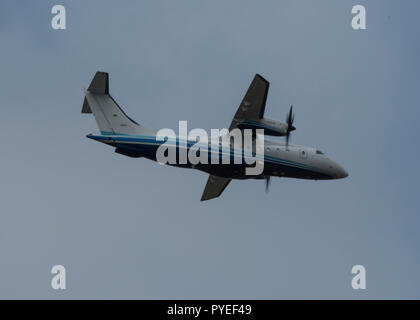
(111, 119)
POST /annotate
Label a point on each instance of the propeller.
(290, 118)
(267, 183)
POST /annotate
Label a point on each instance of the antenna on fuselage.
(267, 183)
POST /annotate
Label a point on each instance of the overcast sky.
(129, 228)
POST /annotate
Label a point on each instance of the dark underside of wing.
(251, 107)
(253, 103)
(214, 187)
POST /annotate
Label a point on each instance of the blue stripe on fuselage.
(139, 139)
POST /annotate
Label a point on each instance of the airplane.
(281, 159)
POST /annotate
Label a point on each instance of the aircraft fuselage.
(292, 162)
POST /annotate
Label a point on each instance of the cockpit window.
(319, 152)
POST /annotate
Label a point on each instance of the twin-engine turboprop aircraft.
(281, 159)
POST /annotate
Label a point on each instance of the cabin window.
(303, 154)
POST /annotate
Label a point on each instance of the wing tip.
(205, 198)
(257, 75)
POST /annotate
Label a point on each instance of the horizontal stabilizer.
(100, 83)
(86, 108)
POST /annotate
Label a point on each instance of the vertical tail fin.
(111, 119)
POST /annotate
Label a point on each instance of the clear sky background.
(130, 228)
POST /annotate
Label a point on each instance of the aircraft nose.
(336, 171)
(341, 172)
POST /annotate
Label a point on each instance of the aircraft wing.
(214, 187)
(253, 103)
(251, 107)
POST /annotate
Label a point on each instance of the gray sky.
(129, 228)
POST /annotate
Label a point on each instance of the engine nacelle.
(271, 127)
